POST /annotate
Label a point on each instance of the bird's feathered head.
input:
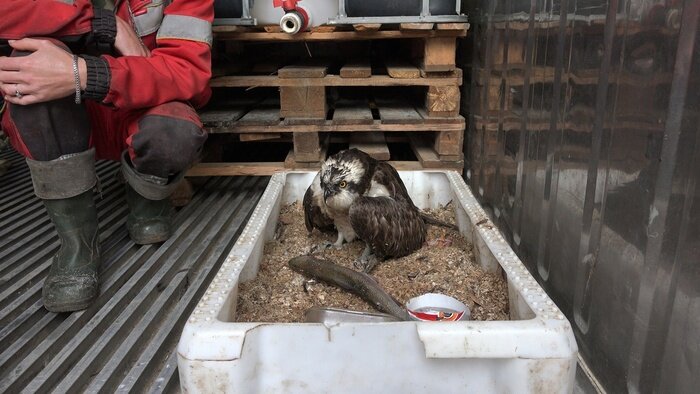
(344, 177)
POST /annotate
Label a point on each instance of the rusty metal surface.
(585, 142)
(126, 340)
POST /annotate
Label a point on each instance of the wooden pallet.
(366, 121)
(303, 88)
(381, 115)
(318, 99)
(433, 50)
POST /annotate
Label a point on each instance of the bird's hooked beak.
(326, 193)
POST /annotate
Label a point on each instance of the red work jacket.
(178, 33)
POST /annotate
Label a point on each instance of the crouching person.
(132, 100)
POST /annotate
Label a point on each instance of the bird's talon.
(370, 264)
(320, 247)
(307, 285)
(360, 264)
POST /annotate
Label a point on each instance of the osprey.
(365, 198)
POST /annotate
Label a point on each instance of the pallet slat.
(241, 35)
(427, 156)
(439, 54)
(302, 71)
(356, 70)
(328, 80)
(402, 71)
(352, 112)
(269, 168)
(374, 144)
(261, 116)
(221, 118)
(398, 113)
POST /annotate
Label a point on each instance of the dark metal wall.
(584, 139)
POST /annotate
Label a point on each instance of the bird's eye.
(342, 184)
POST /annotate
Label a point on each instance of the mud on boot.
(65, 186)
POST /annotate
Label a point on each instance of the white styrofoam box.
(534, 352)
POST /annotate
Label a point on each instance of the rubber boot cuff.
(65, 177)
(150, 211)
(149, 186)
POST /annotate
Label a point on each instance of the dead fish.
(359, 283)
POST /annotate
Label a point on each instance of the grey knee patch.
(151, 187)
(65, 177)
(165, 145)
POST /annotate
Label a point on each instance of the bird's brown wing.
(387, 175)
(392, 228)
(315, 215)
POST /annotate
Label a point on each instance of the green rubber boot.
(72, 282)
(150, 209)
(65, 187)
(149, 221)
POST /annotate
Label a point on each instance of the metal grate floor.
(126, 340)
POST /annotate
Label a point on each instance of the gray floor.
(126, 340)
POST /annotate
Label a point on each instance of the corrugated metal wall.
(584, 139)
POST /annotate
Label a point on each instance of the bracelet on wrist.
(76, 75)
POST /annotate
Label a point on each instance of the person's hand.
(127, 43)
(44, 75)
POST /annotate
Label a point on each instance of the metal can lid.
(437, 307)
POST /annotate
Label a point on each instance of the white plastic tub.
(534, 352)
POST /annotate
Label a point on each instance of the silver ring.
(18, 94)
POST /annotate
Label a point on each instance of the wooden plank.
(406, 165)
(438, 119)
(367, 27)
(352, 113)
(449, 143)
(291, 163)
(439, 54)
(329, 80)
(336, 35)
(445, 158)
(221, 118)
(272, 28)
(425, 154)
(258, 136)
(416, 26)
(373, 144)
(442, 101)
(452, 26)
(261, 116)
(328, 126)
(428, 157)
(324, 29)
(302, 71)
(307, 147)
(356, 70)
(236, 169)
(456, 73)
(398, 113)
(402, 71)
(303, 102)
(270, 168)
(303, 121)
